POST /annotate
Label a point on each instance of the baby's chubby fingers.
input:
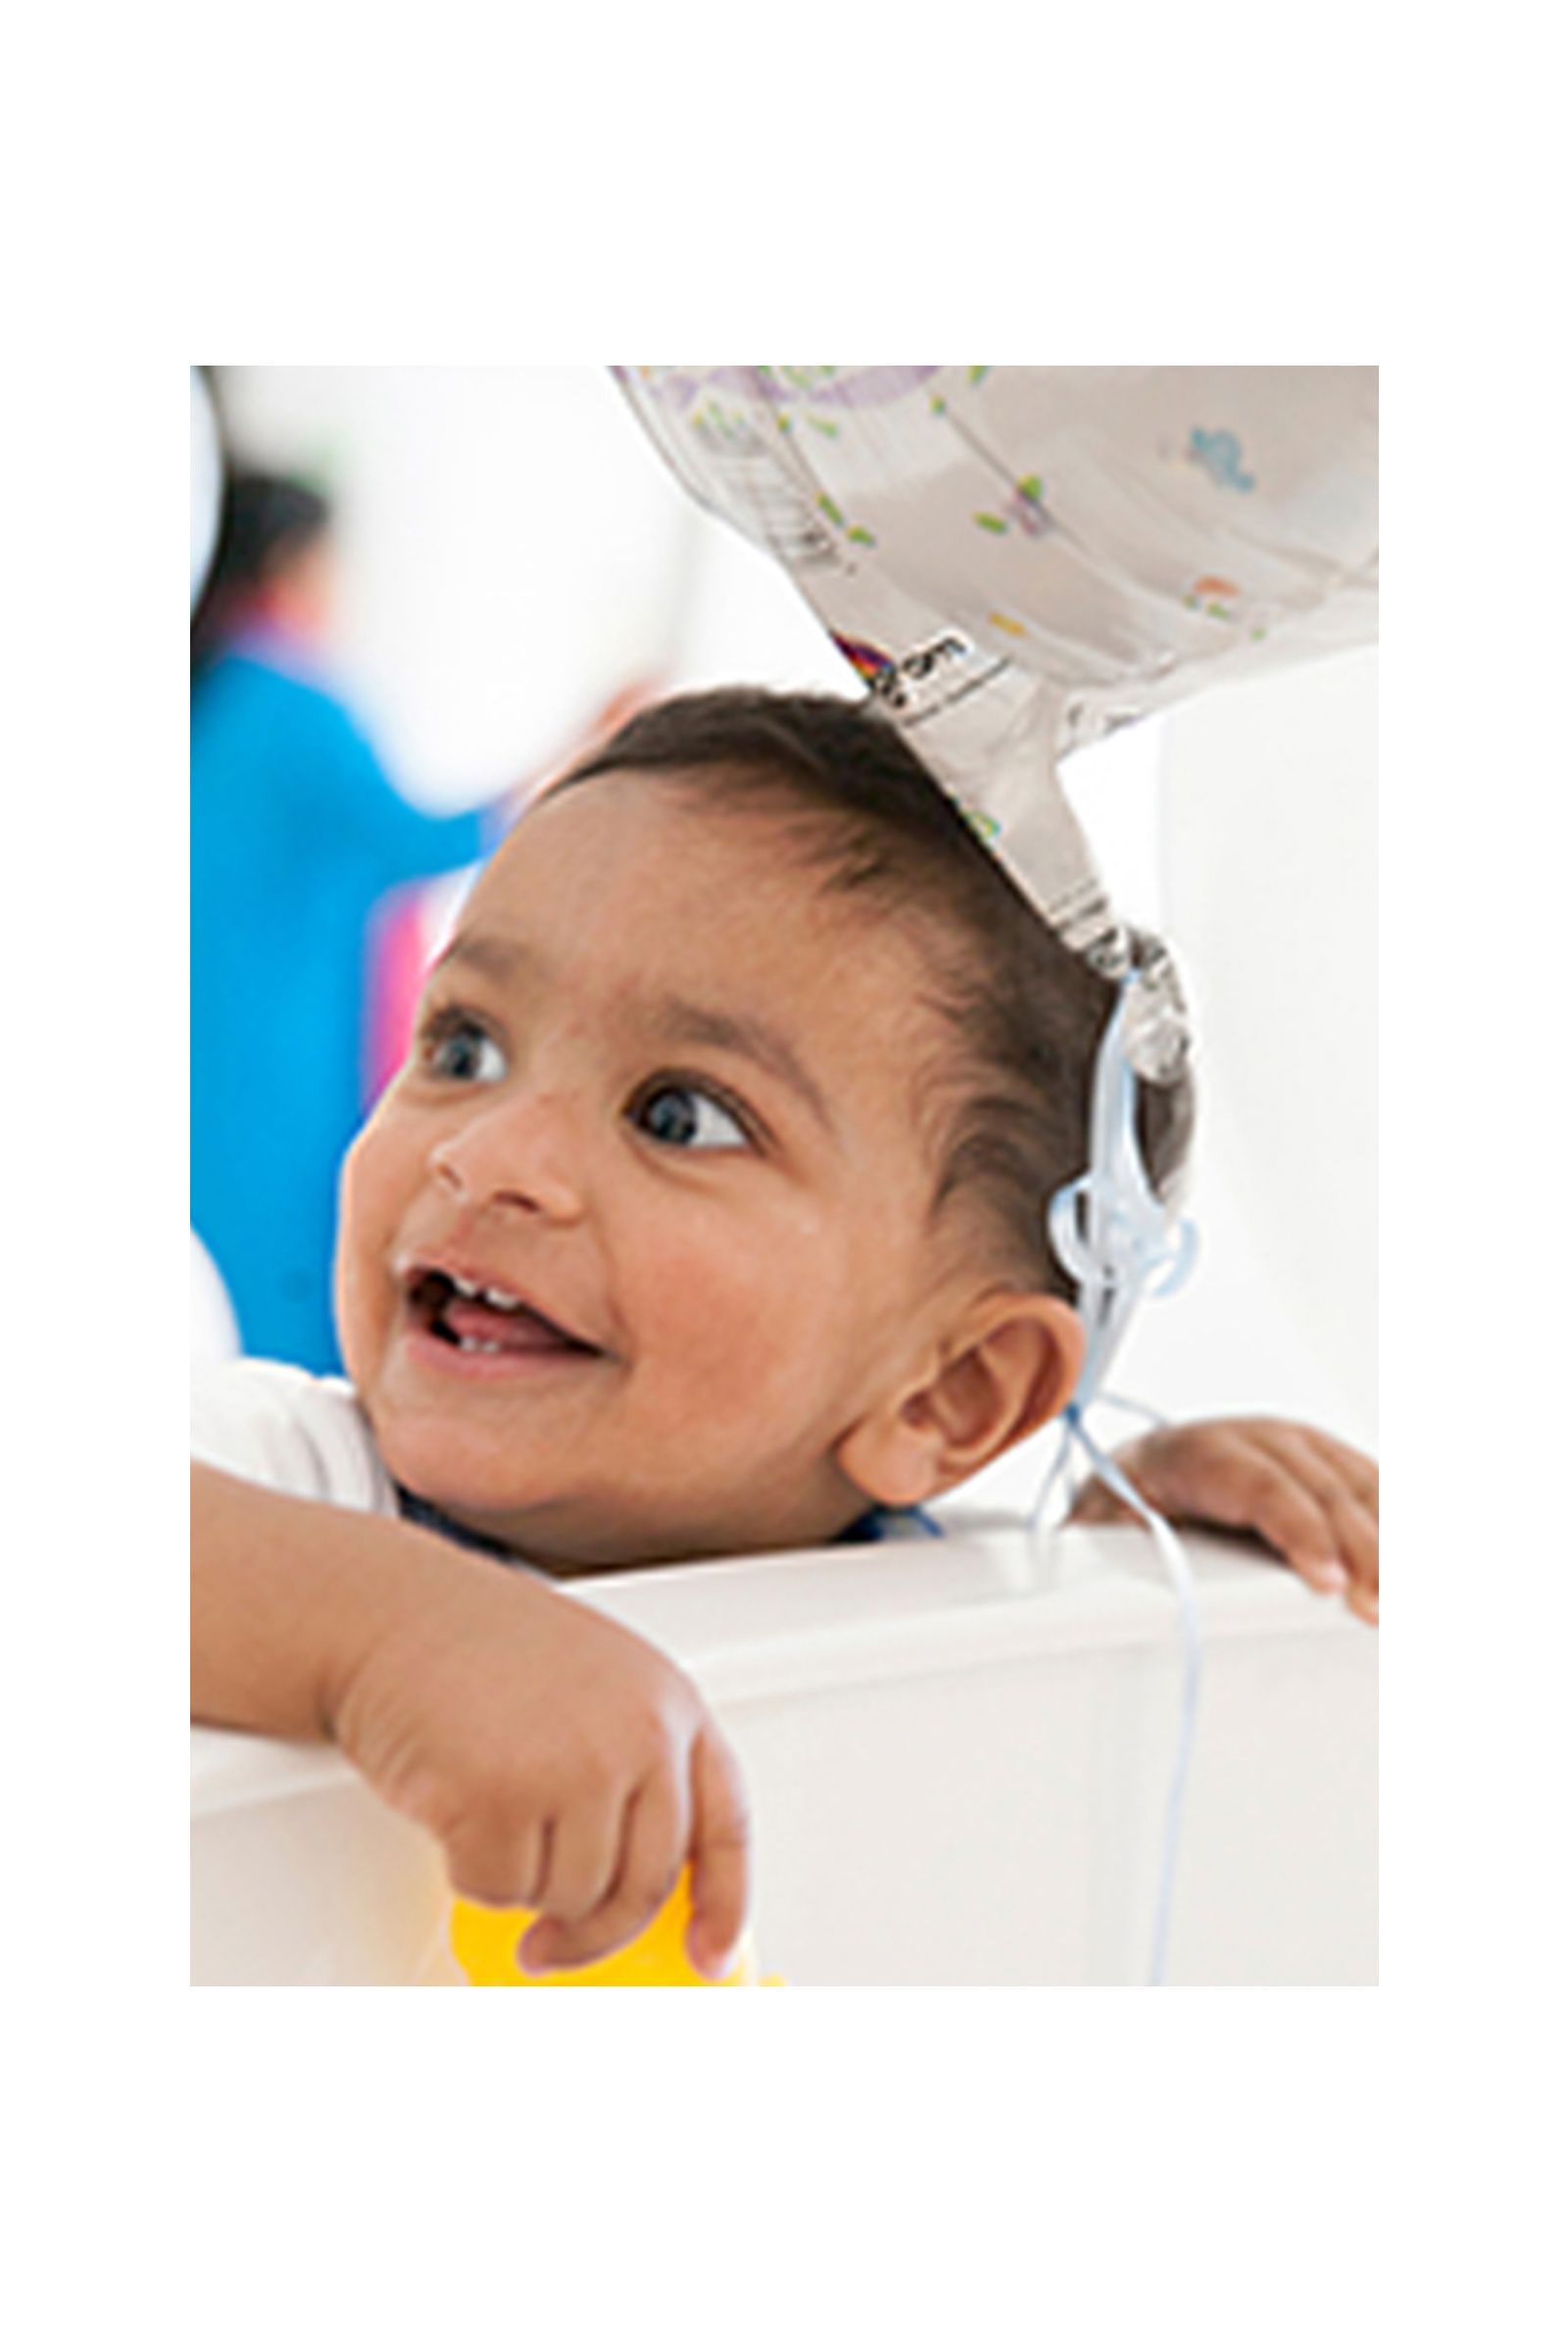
(1226, 1474)
(517, 1725)
(496, 1861)
(1357, 1529)
(1310, 1496)
(1256, 1491)
(722, 1856)
(583, 1847)
(1345, 1482)
(653, 1850)
(1344, 1465)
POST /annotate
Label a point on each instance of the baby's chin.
(475, 1493)
(587, 1529)
(501, 1501)
(581, 1544)
(570, 1536)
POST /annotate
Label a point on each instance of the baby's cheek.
(363, 1236)
(355, 1195)
(741, 1327)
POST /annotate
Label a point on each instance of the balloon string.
(1117, 1240)
(1178, 1568)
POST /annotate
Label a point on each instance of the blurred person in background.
(297, 832)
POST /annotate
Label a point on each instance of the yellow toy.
(485, 1943)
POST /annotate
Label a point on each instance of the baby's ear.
(1007, 1367)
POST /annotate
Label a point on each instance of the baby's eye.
(688, 1118)
(455, 1046)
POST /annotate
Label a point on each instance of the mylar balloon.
(1018, 559)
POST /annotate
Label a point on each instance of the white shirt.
(288, 1430)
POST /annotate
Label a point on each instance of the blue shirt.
(296, 833)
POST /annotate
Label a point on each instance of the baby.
(705, 1216)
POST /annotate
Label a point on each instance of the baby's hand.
(1311, 1497)
(563, 1765)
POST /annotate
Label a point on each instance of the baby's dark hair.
(1012, 1106)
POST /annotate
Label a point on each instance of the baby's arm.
(1311, 1497)
(562, 1763)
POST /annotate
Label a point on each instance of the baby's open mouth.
(480, 1320)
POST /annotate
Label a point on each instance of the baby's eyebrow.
(750, 1035)
(487, 951)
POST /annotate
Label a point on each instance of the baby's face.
(664, 1095)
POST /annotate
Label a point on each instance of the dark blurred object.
(270, 529)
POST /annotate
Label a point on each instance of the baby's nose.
(519, 1151)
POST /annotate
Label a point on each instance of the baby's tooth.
(500, 1299)
(467, 1289)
